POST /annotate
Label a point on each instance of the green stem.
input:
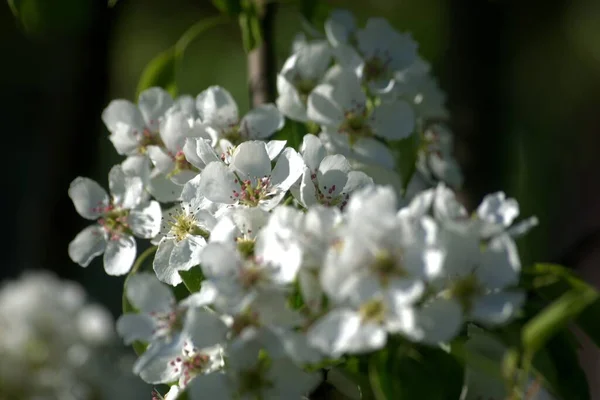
(140, 260)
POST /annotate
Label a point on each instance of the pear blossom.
(435, 158)
(249, 179)
(351, 126)
(134, 127)
(251, 375)
(219, 111)
(327, 179)
(184, 232)
(119, 216)
(300, 74)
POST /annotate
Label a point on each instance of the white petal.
(497, 308)
(124, 113)
(184, 176)
(274, 148)
(89, 197)
(251, 160)
(322, 107)
(394, 120)
(313, 151)
(289, 380)
(348, 58)
(211, 386)
(333, 333)
(125, 139)
(153, 366)
(333, 174)
(500, 264)
(307, 193)
(88, 244)
(379, 36)
(357, 180)
(160, 159)
(217, 261)
(186, 253)
(368, 337)
(126, 190)
(339, 26)
(287, 170)
(162, 188)
(217, 107)
(497, 212)
(174, 128)
(313, 60)
(262, 121)
(147, 294)
(132, 327)
(187, 104)
(153, 104)
(218, 183)
(289, 101)
(190, 150)
(204, 328)
(438, 321)
(119, 255)
(137, 165)
(164, 272)
(206, 152)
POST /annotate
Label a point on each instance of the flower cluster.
(54, 344)
(303, 255)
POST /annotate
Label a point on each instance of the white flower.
(219, 111)
(300, 74)
(340, 27)
(185, 229)
(134, 127)
(118, 217)
(378, 53)
(249, 179)
(170, 156)
(341, 110)
(327, 179)
(435, 158)
(252, 375)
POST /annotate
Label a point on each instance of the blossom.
(435, 158)
(299, 75)
(219, 111)
(249, 180)
(351, 126)
(119, 216)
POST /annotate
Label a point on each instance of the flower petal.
(313, 151)
(289, 101)
(333, 333)
(119, 255)
(205, 328)
(161, 265)
(218, 183)
(174, 128)
(262, 122)
(333, 174)
(497, 308)
(145, 220)
(287, 170)
(147, 294)
(126, 191)
(274, 148)
(217, 107)
(125, 114)
(251, 160)
(89, 198)
(186, 253)
(153, 104)
(393, 120)
(132, 327)
(88, 244)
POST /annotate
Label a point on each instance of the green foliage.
(192, 279)
(42, 17)
(251, 29)
(228, 7)
(405, 152)
(405, 372)
(293, 132)
(162, 70)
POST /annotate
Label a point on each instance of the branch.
(261, 60)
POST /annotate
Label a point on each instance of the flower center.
(386, 266)
(244, 320)
(148, 138)
(373, 311)
(167, 322)
(376, 68)
(355, 125)
(246, 247)
(251, 275)
(192, 363)
(184, 224)
(251, 194)
(181, 164)
(465, 290)
(304, 87)
(234, 135)
(114, 221)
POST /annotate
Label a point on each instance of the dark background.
(522, 79)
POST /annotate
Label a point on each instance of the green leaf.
(315, 12)
(228, 7)
(42, 17)
(550, 281)
(555, 317)
(161, 72)
(192, 279)
(405, 373)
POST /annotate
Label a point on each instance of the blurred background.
(522, 78)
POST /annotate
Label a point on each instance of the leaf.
(42, 17)
(555, 317)
(315, 12)
(192, 279)
(160, 71)
(293, 132)
(551, 281)
(405, 373)
(251, 29)
(228, 7)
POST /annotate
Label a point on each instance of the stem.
(140, 260)
(261, 60)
